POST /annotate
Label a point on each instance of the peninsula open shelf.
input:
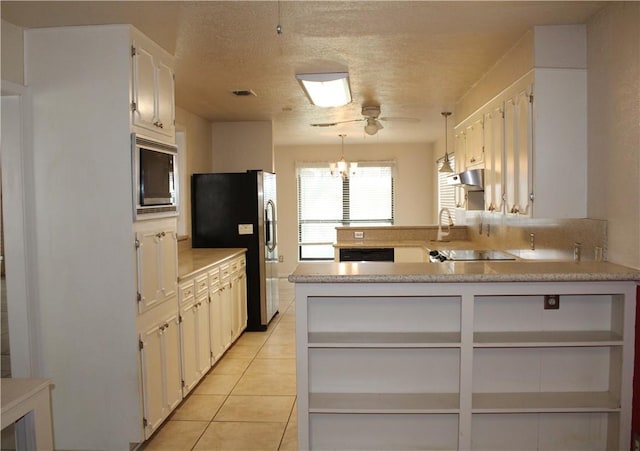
(464, 366)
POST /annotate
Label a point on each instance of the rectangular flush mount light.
(326, 90)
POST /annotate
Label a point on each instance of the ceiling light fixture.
(373, 125)
(326, 90)
(343, 168)
(446, 165)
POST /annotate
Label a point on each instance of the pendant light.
(342, 166)
(446, 165)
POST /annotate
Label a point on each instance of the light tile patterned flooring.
(248, 400)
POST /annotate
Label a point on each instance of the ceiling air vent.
(243, 93)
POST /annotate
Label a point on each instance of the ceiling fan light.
(372, 127)
(326, 90)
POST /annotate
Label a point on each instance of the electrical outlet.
(551, 302)
(281, 258)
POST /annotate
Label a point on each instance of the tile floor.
(248, 399)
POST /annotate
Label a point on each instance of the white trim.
(18, 252)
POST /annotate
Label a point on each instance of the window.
(446, 192)
(326, 201)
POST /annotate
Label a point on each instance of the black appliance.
(239, 210)
(366, 254)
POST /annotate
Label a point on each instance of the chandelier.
(342, 167)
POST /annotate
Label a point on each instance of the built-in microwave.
(155, 178)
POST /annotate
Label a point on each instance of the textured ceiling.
(415, 59)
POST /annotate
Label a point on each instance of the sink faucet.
(442, 235)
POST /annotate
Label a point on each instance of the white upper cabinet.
(152, 103)
(518, 150)
(459, 142)
(474, 143)
(534, 137)
(494, 159)
(534, 131)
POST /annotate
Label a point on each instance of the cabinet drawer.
(225, 271)
(202, 285)
(187, 291)
(214, 277)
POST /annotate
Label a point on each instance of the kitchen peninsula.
(464, 355)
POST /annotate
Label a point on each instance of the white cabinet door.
(460, 159)
(157, 266)
(242, 296)
(203, 348)
(144, 88)
(215, 317)
(474, 143)
(494, 148)
(173, 380)
(153, 90)
(239, 304)
(169, 262)
(152, 383)
(160, 363)
(165, 99)
(518, 127)
(227, 312)
(188, 333)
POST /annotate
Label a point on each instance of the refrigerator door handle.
(271, 225)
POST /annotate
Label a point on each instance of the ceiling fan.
(371, 114)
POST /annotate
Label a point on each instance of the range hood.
(471, 180)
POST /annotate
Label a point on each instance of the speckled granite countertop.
(192, 261)
(476, 271)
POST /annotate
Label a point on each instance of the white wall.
(198, 159)
(415, 172)
(12, 53)
(613, 39)
(240, 146)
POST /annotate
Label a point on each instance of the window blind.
(328, 201)
(446, 192)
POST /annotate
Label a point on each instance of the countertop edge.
(465, 278)
(219, 255)
(463, 272)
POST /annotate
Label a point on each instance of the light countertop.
(191, 261)
(469, 271)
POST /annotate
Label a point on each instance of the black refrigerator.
(239, 210)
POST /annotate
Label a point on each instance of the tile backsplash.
(495, 231)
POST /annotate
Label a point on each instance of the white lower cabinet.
(218, 343)
(183, 336)
(160, 362)
(238, 298)
(226, 307)
(194, 327)
(464, 366)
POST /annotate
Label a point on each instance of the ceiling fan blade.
(400, 119)
(332, 124)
